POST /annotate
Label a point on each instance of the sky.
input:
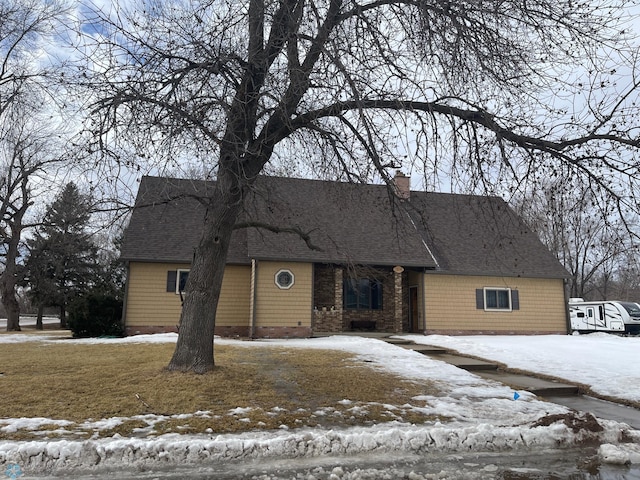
(485, 416)
(419, 179)
(57, 47)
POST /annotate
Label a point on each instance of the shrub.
(96, 315)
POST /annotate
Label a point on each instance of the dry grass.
(274, 387)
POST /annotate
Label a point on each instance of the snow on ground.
(483, 415)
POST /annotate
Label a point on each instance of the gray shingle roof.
(353, 223)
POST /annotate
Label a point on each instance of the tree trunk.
(63, 317)
(9, 300)
(39, 325)
(194, 349)
(10, 304)
(8, 277)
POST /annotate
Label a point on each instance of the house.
(412, 262)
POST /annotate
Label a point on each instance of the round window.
(284, 279)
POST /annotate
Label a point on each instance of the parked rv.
(604, 316)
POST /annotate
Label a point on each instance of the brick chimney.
(402, 185)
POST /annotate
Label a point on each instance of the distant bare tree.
(485, 87)
(627, 284)
(589, 240)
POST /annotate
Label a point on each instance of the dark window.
(183, 276)
(177, 280)
(362, 294)
(171, 280)
(632, 308)
(497, 299)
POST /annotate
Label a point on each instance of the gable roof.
(349, 223)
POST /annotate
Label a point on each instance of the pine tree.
(62, 263)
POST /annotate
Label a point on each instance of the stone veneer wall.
(327, 302)
(329, 315)
(405, 323)
(324, 288)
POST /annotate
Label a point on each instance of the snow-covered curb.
(174, 449)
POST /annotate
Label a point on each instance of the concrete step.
(398, 341)
(425, 349)
(537, 386)
(466, 363)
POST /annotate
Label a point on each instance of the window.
(362, 294)
(497, 299)
(503, 299)
(633, 309)
(177, 280)
(284, 279)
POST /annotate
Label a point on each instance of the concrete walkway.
(491, 370)
(551, 390)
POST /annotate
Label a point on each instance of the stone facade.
(329, 314)
(327, 291)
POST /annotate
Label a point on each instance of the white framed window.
(497, 299)
(177, 280)
(284, 279)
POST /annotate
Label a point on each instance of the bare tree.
(627, 285)
(27, 152)
(15, 198)
(25, 144)
(347, 88)
(23, 26)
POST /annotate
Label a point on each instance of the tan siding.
(235, 297)
(450, 304)
(283, 308)
(149, 304)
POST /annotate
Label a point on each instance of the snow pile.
(174, 449)
(620, 454)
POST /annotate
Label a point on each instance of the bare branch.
(305, 236)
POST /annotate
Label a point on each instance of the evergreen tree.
(111, 272)
(62, 263)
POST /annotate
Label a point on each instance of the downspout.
(123, 320)
(252, 303)
(423, 301)
(313, 299)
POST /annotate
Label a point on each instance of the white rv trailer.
(604, 316)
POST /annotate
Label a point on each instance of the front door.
(413, 310)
